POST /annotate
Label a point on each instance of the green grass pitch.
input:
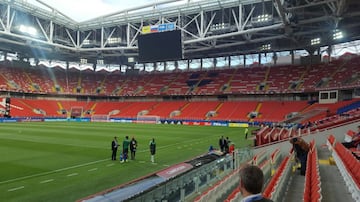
(66, 161)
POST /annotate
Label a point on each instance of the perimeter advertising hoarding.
(238, 125)
(174, 170)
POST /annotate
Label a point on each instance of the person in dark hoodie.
(301, 149)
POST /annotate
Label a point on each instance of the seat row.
(230, 184)
(277, 184)
(312, 188)
(348, 165)
(253, 80)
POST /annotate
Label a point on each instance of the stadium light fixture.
(265, 47)
(220, 28)
(337, 34)
(114, 40)
(28, 30)
(263, 18)
(86, 42)
(315, 41)
(100, 62)
(83, 61)
(131, 59)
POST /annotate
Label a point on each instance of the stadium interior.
(287, 68)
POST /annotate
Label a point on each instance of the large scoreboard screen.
(160, 46)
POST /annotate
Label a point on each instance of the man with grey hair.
(251, 184)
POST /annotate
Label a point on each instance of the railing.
(217, 178)
(349, 168)
(277, 186)
(312, 188)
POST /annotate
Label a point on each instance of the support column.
(244, 60)
(197, 183)
(182, 194)
(259, 58)
(275, 58)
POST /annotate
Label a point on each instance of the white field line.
(108, 165)
(52, 172)
(16, 188)
(72, 174)
(46, 181)
(80, 165)
(93, 169)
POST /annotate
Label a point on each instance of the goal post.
(76, 112)
(148, 119)
(100, 118)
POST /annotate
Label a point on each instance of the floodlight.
(100, 62)
(263, 18)
(114, 40)
(86, 42)
(83, 61)
(337, 34)
(315, 41)
(28, 30)
(265, 47)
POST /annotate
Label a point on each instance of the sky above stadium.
(82, 10)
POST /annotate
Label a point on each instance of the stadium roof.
(211, 28)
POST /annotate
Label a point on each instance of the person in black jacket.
(222, 143)
(133, 146)
(114, 148)
(251, 184)
(152, 146)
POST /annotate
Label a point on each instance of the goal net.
(100, 118)
(147, 119)
(76, 112)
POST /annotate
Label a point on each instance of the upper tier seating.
(235, 111)
(278, 79)
(197, 110)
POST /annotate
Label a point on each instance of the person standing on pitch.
(152, 146)
(133, 146)
(114, 147)
(222, 143)
(246, 132)
(126, 144)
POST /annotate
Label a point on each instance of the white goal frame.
(76, 112)
(100, 118)
(148, 119)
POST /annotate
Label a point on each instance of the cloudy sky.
(81, 10)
